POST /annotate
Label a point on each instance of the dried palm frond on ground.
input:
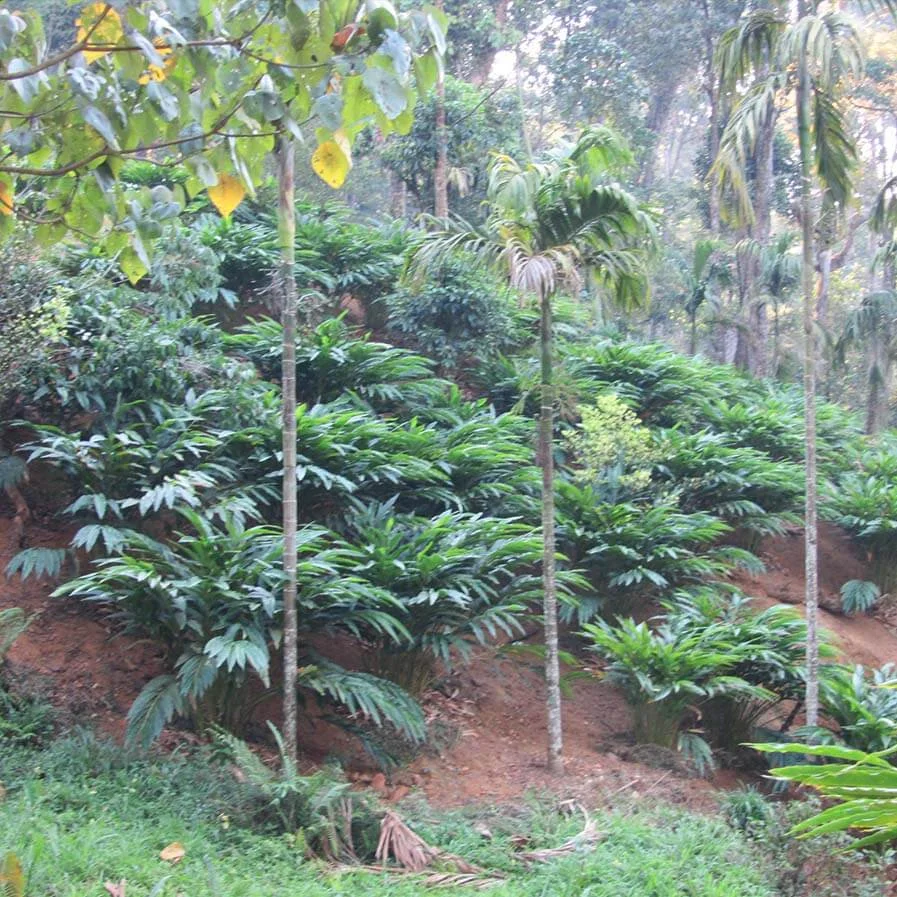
(414, 856)
(411, 852)
(582, 842)
(480, 881)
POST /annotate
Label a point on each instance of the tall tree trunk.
(549, 585)
(489, 50)
(711, 88)
(286, 221)
(758, 327)
(524, 130)
(809, 309)
(774, 369)
(398, 193)
(879, 383)
(440, 171)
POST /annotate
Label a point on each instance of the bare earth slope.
(491, 710)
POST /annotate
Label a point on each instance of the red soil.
(869, 640)
(493, 706)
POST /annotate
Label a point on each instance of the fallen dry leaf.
(116, 889)
(174, 853)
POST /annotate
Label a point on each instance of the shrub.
(742, 486)
(212, 600)
(25, 716)
(772, 642)
(770, 424)
(142, 173)
(633, 551)
(184, 273)
(167, 457)
(711, 654)
(113, 353)
(859, 596)
(663, 671)
(864, 783)
(462, 578)
(799, 866)
(612, 449)
(459, 312)
(247, 252)
(361, 259)
(13, 623)
(863, 704)
(330, 363)
(332, 252)
(748, 811)
(321, 809)
(662, 387)
(34, 309)
(488, 457)
(864, 502)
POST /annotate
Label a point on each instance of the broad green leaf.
(132, 265)
(329, 108)
(387, 91)
(97, 119)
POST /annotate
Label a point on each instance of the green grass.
(82, 812)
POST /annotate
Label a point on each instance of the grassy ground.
(81, 812)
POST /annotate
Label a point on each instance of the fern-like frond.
(13, 623)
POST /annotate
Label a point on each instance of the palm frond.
(754, 111)
(748, 47)
(884, 210)
(835, 151)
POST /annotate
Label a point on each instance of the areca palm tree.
(806, 56)
(549, 224)
(873, 324)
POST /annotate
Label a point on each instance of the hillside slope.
(490, 712)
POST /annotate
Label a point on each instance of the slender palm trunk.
(440, 170)
(286, 220)
(879, 382)
(549, 586)
(809, 316)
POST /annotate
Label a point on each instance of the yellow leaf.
(153, 73)
(227, 194)
(332, 160)
(132, 265)
(7, 203)
(174, 853)
(12, 878)
(159, 72)
(108, 31)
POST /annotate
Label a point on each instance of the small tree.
(548, 224)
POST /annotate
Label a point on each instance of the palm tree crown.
(551, 222)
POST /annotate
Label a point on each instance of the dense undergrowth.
(82, 813)
(153, 416)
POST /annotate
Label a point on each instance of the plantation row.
(159, 420)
